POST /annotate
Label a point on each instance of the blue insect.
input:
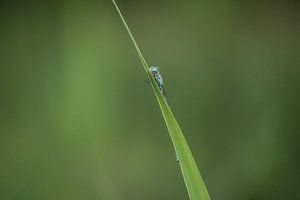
(158, 79)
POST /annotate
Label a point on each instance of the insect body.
(158, 79)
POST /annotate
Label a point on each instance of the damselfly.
(158, 79)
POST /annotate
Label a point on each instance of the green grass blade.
(192, 178)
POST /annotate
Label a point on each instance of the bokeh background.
(78, 121)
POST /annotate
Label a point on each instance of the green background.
(78, 121)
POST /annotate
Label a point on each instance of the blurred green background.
(78, 121)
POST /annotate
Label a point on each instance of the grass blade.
(192, 178)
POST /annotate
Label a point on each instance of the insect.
(158, 79)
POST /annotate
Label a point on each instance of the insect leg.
(147, 80)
